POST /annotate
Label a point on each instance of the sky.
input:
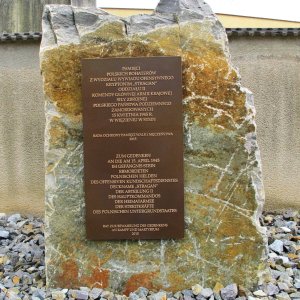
(271, 9)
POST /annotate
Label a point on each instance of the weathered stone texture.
(223, 187)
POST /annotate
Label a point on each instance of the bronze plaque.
(133, 148)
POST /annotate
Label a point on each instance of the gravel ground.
(22, 266)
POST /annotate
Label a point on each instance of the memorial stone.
(223, 192)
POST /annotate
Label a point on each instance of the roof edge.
(231, 32)
(22, 36)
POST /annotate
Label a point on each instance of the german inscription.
(133, 148)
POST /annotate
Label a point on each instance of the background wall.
(269, 67)
(21, 129)
(23, 15)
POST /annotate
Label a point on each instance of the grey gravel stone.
(275, 273)
(297, 283)
(14, 218)
(229, 292)
(289, 214)
(282, 259)
(196, 289)
(283, 286)
(285, 229)
(38, 293)
(188, 293)
(107, 295)
(191, 298)
(8, 283)
(13, 296)
(271, 289)
(4, 234)
(207, 292)
(289, 264)
(158, 296)
(259, 293)
(272, 255)
(291, 224)
(283, 296)
(285, 278)
(80, 294)
(133, 296)
(95, 293)
(177, 295)
(295, 295)
(290, 272)
(58, 295)
(277, 246)
(297, 273)
(142, 292)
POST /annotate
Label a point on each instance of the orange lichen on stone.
(231, 221)
(108, 31)
(167, 39)
(68, 277)
(177, 281)
(58, 133)
(222, 223)
(61, 69)
(141, 279)
(216, 98)
(99, 278)
(62, 80)
(133, 257)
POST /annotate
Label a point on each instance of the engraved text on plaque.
(133, 148)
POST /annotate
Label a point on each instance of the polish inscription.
(133, 148)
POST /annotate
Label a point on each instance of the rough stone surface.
(223, 187)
